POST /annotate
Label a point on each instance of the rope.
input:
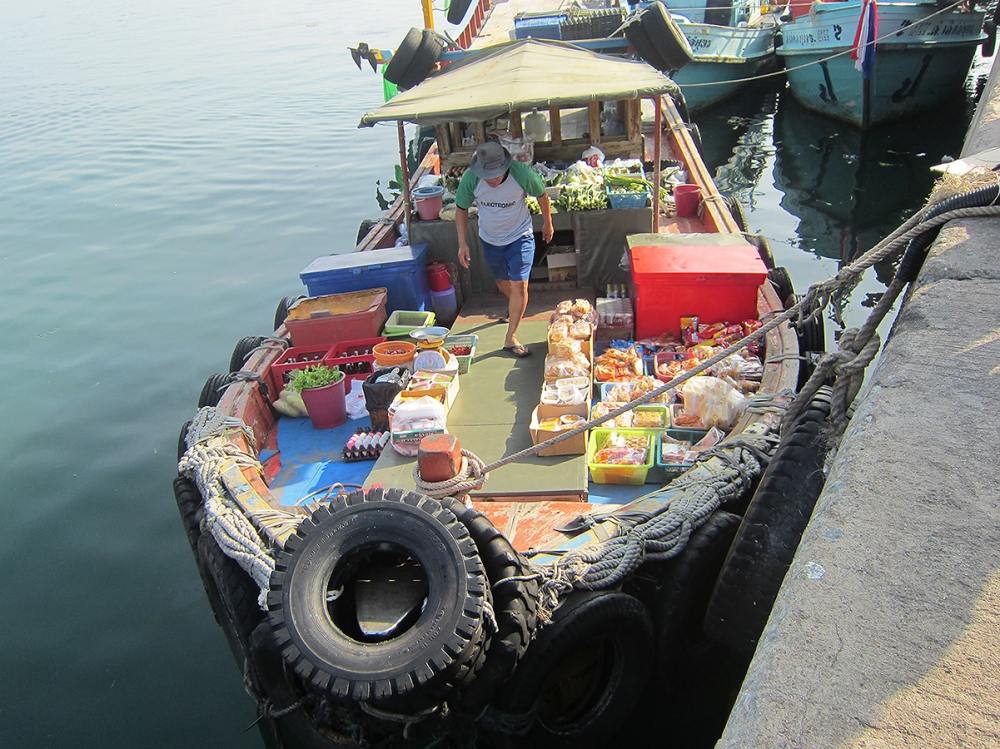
(834, 56)
(236, 530)
(471, 476)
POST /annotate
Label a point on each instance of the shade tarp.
(529, 74)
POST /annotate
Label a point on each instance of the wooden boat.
(922, 64)
(261, 507)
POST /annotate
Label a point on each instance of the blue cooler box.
(401, 270)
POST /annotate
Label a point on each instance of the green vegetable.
(582, 197)
(532, 203)
(316, 376)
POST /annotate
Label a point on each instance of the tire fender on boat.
(316, 568)
(769, 533)
(242, 350)
(211, 391)
(457, 11)
(284, 305)
(584, 672)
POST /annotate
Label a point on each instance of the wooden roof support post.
(555, 126)
(594, 110)
(657, 135)
(407, 203)
(516, 125)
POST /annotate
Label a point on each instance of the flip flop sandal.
(519, 351)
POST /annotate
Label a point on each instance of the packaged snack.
(689, 330)
(647, 419)
(618, 365)
(715, 402)
(602, 409)
(623, 449)
(581, 330)
(557, 367)
(558, 332)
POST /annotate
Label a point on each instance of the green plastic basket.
(472, 341)
(614, 474)
(403, 322)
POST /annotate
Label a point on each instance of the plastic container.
(394, 353)
(400, 270)
(674, 278)
(296, 357)
(438, 277)
(354, 358)
(403, 322)
(627, 199)
(327, 405)
(602, 473)
(429, 201)
(667, 472)
(464, 360)
(337, 317)
(445, 305)
(687, 198)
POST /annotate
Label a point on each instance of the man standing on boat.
(498, 185)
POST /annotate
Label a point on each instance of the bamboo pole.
(428, 9)
(407, 203)
(657, 130)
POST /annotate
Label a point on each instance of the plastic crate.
(362, 364)
(628, 199)
(471, 340)
(667, 472)
(675, 410)
(337, 317)
(403, 322)
(279, 373)
(401, 271)
(614, 474)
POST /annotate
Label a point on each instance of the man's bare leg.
(517, 304)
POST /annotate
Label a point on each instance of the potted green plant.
(322, 390)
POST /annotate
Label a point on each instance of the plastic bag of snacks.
(410, 419)
(617, 365)
(604, 408)
(715, 402)
(557, 367)
(623, 450)
(578, 309)
(629, 391)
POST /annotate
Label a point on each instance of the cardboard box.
(562, 266)
(574, 446)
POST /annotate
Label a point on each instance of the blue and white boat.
(921, 58)
(729, 41)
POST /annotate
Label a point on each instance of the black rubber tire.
(210, 392)
(419, 660)
(666, 37)
(812, 336)
(242, 349)
(578, 626)
(403, 55)
(432, 46)
(281, 312)
(182, 440)
(644, 48)
(989, 45)
(782, 281)
(191, 507)
(763, 249)
(233, 596)
(695, 136)
(457, 11)
(515, 605)
(769, 533)
(364, 228)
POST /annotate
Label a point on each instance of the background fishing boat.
(730, 42)
(922, 56)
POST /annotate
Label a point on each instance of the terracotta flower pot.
(327, 406)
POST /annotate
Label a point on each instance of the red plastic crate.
(278, 374)
(340, 356)
(672, 280)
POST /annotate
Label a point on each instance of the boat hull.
(924, 64)
(723, 56)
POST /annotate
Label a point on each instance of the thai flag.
(863, 49)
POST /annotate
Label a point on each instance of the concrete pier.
(886, 632)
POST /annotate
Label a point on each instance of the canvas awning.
(524, 75)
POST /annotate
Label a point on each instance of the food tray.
(614, 474)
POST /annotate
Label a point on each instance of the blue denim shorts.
(510, 262)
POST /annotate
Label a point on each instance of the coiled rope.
(209, 454)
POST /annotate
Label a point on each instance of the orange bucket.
(393, 353)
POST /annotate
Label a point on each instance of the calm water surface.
(167, 169)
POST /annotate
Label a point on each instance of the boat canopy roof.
(528, 74)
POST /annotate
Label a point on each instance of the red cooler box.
(715, 277)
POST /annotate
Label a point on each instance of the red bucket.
(327, 406)
(438, 277)
(687, 198)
